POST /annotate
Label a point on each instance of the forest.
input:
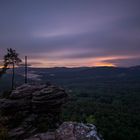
(106, 96)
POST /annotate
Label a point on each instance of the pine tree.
(11, 58)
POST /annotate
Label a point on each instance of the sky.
(72, 33)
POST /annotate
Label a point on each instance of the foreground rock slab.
(70, 131)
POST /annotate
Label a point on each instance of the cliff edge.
(32, 112)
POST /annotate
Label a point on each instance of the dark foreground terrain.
(106, 96)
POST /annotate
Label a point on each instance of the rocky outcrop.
(31, 108)
(77, 131)
(31, 112)
(70, 131)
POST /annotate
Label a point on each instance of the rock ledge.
(70, 131)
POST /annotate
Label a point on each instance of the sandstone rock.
(70, 131)
(43, 136)
(17, 132)
(32, 105)
(77, 131)
(31, 108)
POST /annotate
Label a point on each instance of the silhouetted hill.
(89, 76)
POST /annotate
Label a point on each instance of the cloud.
(125, 62)
(71, 30)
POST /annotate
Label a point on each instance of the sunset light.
(72, 34)
(69, 69)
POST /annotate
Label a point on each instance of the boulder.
(70, 131)
(77, 131)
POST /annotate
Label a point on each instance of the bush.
(91, 119)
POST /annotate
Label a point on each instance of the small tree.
(11, 58)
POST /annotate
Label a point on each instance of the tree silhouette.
(11, 58)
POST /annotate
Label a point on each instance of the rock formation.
(31, 112)
(32, 108)
(70, 131)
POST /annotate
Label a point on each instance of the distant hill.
(75, 77)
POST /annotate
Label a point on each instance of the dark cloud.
(75, 29)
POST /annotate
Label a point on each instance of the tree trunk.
(13, 76)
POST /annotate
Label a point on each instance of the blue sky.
(72, 32)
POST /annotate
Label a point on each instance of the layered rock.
(32, 107)
(32, 110)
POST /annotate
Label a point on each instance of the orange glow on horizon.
(101, 64)
(69, 63)
(46, 62)
(60, 59)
